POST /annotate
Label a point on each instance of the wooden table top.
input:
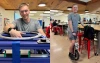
(96, 27)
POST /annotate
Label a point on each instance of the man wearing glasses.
(23, 24)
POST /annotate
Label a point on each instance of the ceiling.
(92, 5)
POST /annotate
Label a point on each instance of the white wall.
(64, 18)
(6, 14)
(2, 11)
(36, 17)
(46, 20)
(92, 16)
(10, 15)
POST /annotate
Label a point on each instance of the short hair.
(74, 5)
(23, 4)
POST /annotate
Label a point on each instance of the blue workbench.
(24, 44)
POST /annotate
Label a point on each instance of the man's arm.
(13, 32)
(70, 25)
(41, 32)
(70, 22)
(7, 27)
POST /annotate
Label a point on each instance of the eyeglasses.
(24, 11)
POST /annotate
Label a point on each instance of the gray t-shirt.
(21, 25)
(75, 18)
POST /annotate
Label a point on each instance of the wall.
(10, 15)
(46, 20)
(6, 14)
(92, 16)
(2, 11)
(64, 18)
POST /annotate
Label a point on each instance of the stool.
(88, 45)
(48, 32)
(80, 34)
(59, 29)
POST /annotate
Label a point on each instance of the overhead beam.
(76, 1)
(30, 10)
(94, 6)
(92, 2)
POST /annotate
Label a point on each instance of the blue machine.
(16, 45)
(40, 21)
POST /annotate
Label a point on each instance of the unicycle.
(75, 51)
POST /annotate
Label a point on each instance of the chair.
(87, 39)
(48, 32)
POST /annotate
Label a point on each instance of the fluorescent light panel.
(33, 11)
(69, 8)
(85, 0)
(87, 13)
(58, 14)
(86, 10)
(47, 12)
(81, 14)
(54, 10)
(42, 5)
(44, 14)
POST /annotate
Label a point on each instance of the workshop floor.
(60, 48)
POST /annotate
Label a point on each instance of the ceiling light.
(42, 5)
(69, 8)
(81, 14)
(33, 11)
(44, 14)
(58, 14)
(86, 11)
(47, 12)
(85, 0)
(54, 10)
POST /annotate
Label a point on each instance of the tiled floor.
(59, 51)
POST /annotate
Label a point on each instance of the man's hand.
(44, 36)
(15, 33)
(74, 33)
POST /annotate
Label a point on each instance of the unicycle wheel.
(76, 55)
